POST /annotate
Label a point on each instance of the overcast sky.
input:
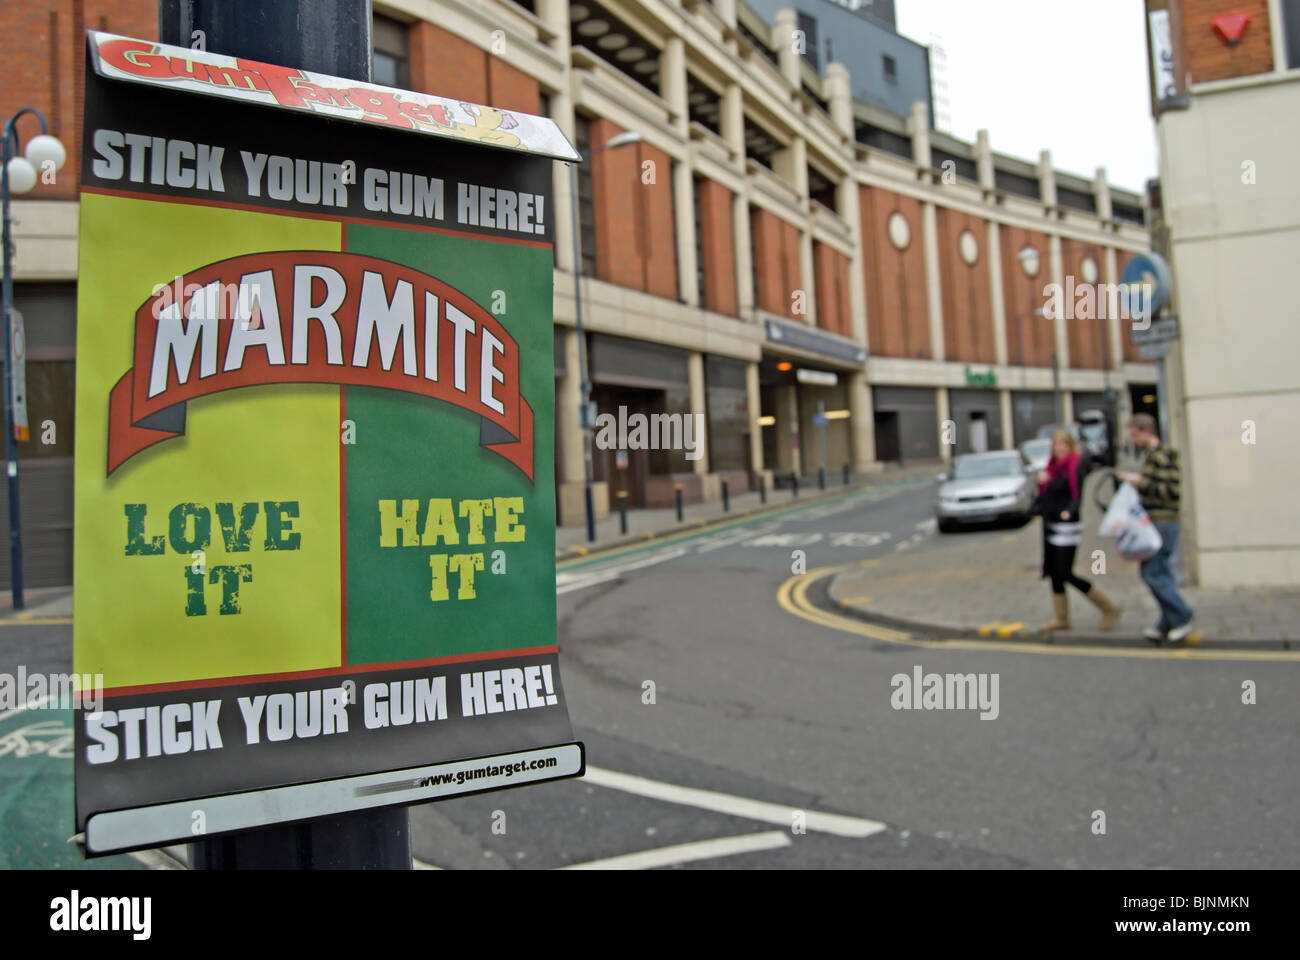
(1069, 76)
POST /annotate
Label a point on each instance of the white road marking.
(566, 582)
(730, 539)
(686, 852)
(915, 538)
(760, 810)
(35, 703)
(927, 526)
(785, 540)
(859, 539)
(421, 865)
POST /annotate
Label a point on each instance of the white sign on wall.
(1162, 56)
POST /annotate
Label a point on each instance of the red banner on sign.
(307, 316)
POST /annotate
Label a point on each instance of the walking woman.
(1058, 502)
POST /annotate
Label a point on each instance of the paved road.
(755, 703)
(771, 741)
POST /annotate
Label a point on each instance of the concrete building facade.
(1230, 227)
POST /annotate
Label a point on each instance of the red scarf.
(1069, 465)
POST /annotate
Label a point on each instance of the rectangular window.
(700, 276)
(1290, 28)
(891, 68)
(886, 140)
(391, 58)
(586, 197)
(808, 25)
(726, 399)
(596, 30)
(1076, 199)
(50, 391)
(1014, 183)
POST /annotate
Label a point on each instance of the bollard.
(846, 474)
(821, 477)
(762, 488)
(794, 483)
(677, 491)
(622, 511)
(726, 498)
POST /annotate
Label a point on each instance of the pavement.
(650, 524)
(989, 586)
(44, 604)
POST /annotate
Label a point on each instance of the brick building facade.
(766, 221)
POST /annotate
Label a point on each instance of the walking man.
(1159, 487)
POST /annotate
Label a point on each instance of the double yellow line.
(793, 598)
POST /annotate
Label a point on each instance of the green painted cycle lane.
(36, 794)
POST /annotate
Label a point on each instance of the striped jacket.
(1160, 486)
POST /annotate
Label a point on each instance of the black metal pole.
(677, 492)
(846, 474)
(588, 500)
(726, 497)
(330, 37)
(794, 481)
(762, 488)
(821, 477)
(10, 150)
(622, 511)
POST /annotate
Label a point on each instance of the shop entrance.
(888, 448)
(625, 469)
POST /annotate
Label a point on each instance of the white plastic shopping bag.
(1136, 537)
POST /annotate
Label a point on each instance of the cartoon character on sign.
(489, 126)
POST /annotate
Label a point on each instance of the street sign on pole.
(1160, 331)
(1154, 351)
(820, 420)
(315, 537)
(18, 378)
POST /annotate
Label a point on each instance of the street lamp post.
(18, 174)
(1108, 393)
(1020, 344)
(621, 140)
(1029, 259)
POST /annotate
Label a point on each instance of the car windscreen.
(1038, 449)
(993, 467)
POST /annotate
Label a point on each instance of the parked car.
(1095, 437)
(983, 487)
(1037, 452)
(1047, 431)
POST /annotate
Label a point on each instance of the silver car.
(984, 487)
(1037, 452)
